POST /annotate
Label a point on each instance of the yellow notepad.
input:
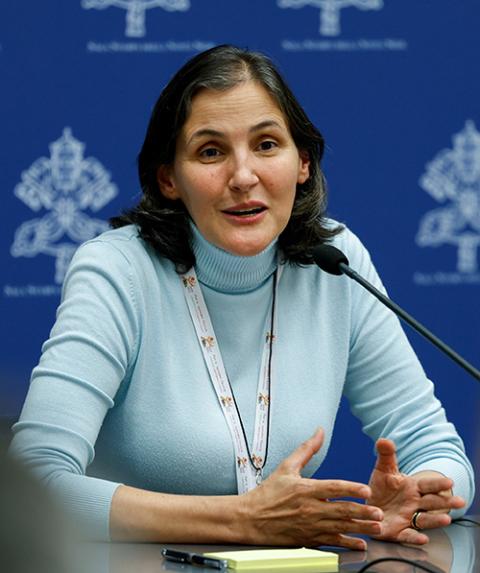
(305, 560)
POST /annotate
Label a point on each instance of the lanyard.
(248, 466)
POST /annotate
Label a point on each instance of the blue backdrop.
(394, 87)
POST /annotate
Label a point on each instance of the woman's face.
(236, 168)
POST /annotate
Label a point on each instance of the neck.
(223, 271)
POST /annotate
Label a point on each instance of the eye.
(267, 145)
(209, 153)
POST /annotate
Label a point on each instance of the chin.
(243, 242)
(248, 249)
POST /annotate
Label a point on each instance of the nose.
(243, 176)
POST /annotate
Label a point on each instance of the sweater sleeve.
(82, 365)
(389, 391)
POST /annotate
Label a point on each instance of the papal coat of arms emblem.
(330, 11)
(453, 178)
(64, 184)
(135, 19)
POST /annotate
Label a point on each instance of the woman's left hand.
(400, 496)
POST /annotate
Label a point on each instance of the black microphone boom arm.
(410, 320)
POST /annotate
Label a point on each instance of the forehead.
(245, 105)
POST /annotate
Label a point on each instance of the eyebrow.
(207, 132)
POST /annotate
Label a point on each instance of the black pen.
(194, 559)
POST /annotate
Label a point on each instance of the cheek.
(283, 195)
(283, 182)
(289, 205)
(198, 190)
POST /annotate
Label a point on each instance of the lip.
(245, 219)
(245, 206)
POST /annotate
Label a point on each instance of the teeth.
(246, 212)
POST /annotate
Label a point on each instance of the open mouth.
(245, 212)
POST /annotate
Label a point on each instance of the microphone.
(333, 261)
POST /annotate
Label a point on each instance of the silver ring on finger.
(414, 520)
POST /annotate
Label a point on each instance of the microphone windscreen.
(328, 258)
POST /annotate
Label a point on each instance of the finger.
(303, 454)
(434, 484)
(353, 543)
(336, 488)
(433, 502)
(348, 510)
(347, 526)
(432, 520)
(409, 535)
(386, 456)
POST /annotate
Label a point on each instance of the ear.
(303, 166)
(166, 182)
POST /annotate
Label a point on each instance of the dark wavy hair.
(164, 223)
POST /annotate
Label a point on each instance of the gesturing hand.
(287, 509)
(400, 496)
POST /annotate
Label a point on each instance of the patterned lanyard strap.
(249, 466)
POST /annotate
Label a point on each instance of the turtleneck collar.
(225, 272)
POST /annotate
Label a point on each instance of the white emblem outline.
(453, 176)
(135, 26)
(330, 11)
(64, 185)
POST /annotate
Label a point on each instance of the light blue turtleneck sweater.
(122, 376)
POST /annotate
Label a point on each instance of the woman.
(196, 346)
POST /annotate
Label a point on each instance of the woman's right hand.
(287, 509)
